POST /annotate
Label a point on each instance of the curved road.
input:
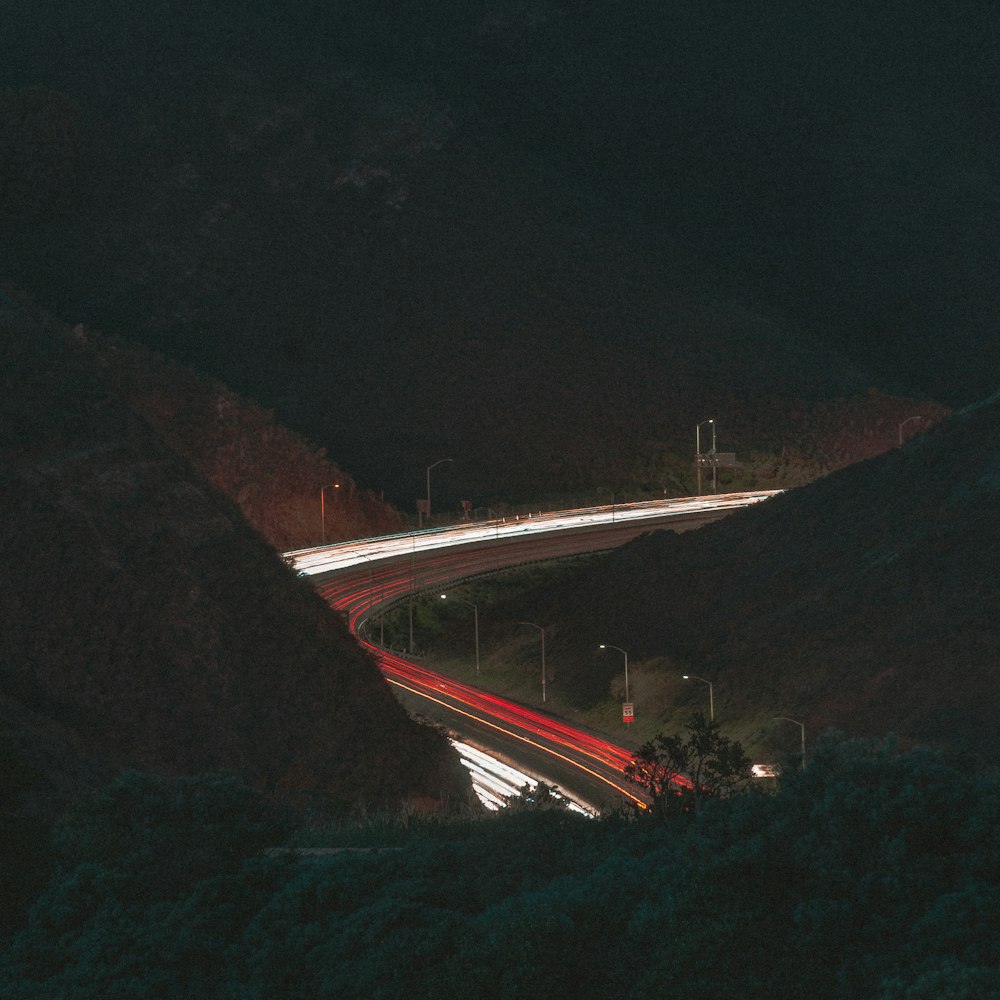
(360, 578)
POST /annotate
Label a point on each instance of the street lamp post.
(711, 697)
(904, 423)
(607, 645)
(697, 452)
(433, 465)
(411, 618)
(542, 631)
(322, 505)
(802, 727)
(475, 615)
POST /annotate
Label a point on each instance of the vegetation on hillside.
(871, 873)
(273, 475)
(680, 771)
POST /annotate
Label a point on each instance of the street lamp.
(604, 489)
(697, 451)
(475, 614)
(542, 631)
(711, 699)
(802, 726)
(433, 465)
(322, 505)
(622, 651)
(904, 423)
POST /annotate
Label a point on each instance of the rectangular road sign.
(720, 459)
(628, 711)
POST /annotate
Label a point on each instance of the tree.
(534, 797)
(678, 772)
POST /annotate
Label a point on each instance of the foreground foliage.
(679, 772)
(873, 873)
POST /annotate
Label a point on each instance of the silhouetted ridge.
(146, 624)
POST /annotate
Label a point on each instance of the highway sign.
(719, 459)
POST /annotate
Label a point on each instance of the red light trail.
(364, 577)
(358, 594)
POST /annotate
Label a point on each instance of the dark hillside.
(507, 236)
(146, 624)
(866, 601)
(273, 475)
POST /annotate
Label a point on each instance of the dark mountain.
(544, 240)
(865, 601)
(145, 624)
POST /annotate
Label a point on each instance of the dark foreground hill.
(866, 601)
(873, 873)
(146, 624)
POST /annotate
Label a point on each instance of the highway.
(359, 578)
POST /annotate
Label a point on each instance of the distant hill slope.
(273, 475)
(401, 277)
(144, 623)
(867, 600)
(836, 161)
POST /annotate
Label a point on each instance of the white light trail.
(494, 781)
(323, 559)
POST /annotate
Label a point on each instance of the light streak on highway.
(345, 554)
(495, 782)
(360, 578)
(598, 759)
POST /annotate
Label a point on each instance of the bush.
(171, 832)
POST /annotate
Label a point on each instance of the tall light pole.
(711, 698)
(608, 645)
(413, 583)
(697, 451)
(540, 629)
(802, 726)
(475, 615)
(411, 615)
(381, 622)
(322, 505)
(904, 423)
(433, 465)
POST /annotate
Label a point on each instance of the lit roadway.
(360, 578)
